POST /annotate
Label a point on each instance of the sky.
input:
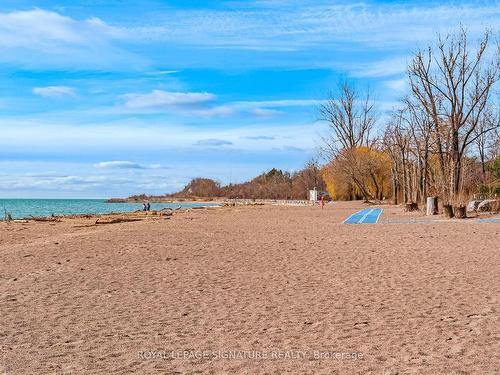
(102, 98)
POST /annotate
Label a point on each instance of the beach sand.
(286, 284)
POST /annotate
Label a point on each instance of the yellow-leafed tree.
(361, 172)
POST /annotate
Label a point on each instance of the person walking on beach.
(144, 207)
(148, 206)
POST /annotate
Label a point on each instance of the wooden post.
(432, 205)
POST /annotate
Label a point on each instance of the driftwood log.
(43, 218)
(115, 220)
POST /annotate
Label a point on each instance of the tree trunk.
(483, 163)
(426, 174)
(395, 189)
(377, 191)
(448, 211)
(441, 159)
(411, 207)
(432, 206)
(457, 167)
(405, 183)
(460, 212)
(421, 181)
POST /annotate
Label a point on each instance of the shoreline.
(418, 216)
(6, 213)
(202, 203)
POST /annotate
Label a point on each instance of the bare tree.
(401, 138)
(484, 135)
(389, 145)
(350, 118)
(453, 86)
(420, 128)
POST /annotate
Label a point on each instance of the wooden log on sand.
(43, 218)
(101, 221)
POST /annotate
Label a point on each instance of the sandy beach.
(250, 290)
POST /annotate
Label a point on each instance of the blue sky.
(109, 98)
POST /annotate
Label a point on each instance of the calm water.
(22, 208)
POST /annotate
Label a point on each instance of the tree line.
(273, 184)
(442, 140)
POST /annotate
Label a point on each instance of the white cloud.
(266, 113)
(278, 103)
(260, 137)
(213, 142)
(71, 182)
(59, 137)
(202, 104)
(122, 164)
(45, 178)
(54, 91)
(399, 85)
(293, 149)
(163, 72)
(43, 38)
(85, 183)
(295, 25)
(217, 111)
(39, 29)
(381, 68)
(262, 109)
(159, 99)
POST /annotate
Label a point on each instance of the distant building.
(313, 195)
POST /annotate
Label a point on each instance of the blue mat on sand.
(366, 216)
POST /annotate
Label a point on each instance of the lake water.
(23, 208)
